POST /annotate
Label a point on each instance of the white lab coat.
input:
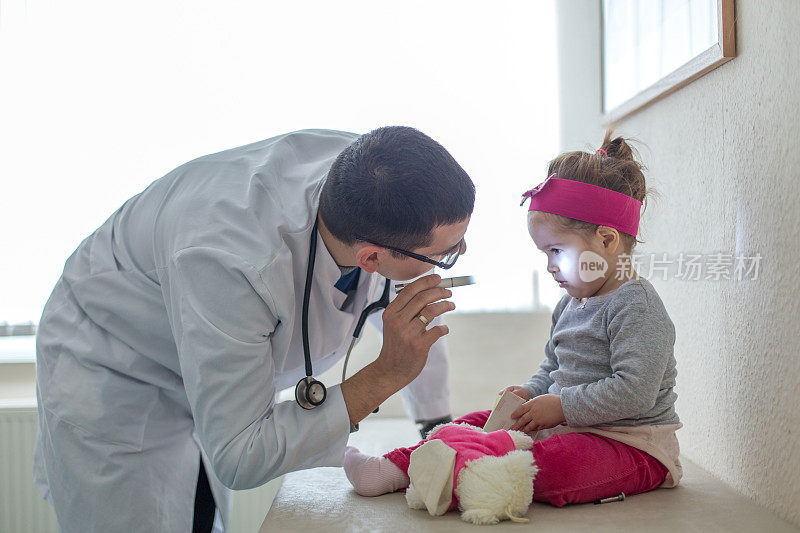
(174, 325)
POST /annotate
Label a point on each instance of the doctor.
(173, 326)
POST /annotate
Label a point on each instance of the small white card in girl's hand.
(500, 418)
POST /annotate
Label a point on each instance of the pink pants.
(576, 467)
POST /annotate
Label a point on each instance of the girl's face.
(578, 263)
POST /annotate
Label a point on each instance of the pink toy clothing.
(402, 456)
(469, 445)
(574, 467)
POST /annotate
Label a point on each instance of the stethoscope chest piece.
(310, 393)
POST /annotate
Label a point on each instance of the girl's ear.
(609, 237)
(368, 258)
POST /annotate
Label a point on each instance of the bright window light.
(100, 98)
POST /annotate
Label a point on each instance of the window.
(100, 98)
(653, 48)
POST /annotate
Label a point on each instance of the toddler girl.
(600, 408)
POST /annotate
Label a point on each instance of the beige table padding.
(322, 500)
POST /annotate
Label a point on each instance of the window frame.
(717, 54)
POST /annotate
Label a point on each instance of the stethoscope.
(309, 392)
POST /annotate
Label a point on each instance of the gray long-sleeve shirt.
(611, 359)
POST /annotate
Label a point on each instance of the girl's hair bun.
(617, 147)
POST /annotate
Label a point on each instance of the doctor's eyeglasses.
(447, 261)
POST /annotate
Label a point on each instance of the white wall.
(723, 153)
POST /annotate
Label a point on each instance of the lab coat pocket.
(106, 404)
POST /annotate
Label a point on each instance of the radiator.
(22, 510)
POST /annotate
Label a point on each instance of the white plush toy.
(487, 476)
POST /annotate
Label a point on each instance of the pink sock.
(372, 476)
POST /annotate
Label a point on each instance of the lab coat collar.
(326, 270)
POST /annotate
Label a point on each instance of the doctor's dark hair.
(394, 185)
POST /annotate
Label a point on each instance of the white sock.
(372, 476)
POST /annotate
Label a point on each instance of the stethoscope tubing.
(381, 303)
(312, 258)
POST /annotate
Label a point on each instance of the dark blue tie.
(349, 281)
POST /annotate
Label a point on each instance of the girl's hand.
(522, 392)
(538, 413)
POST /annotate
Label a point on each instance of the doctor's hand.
(406, 343)
(407, 338)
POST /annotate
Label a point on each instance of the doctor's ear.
(368, 257)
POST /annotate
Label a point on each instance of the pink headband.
(586, 202)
